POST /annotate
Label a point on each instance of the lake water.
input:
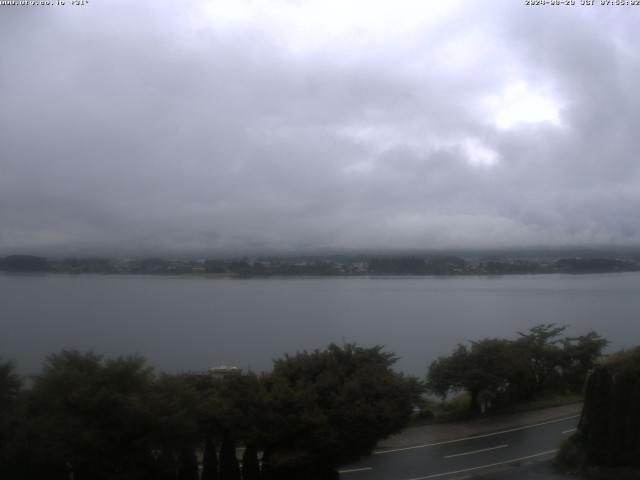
(190, 323)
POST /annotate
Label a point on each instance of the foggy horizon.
(222, 128)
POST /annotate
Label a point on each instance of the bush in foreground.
(96, 418)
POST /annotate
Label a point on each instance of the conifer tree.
(188, 465)
(229, 468)
(209, 461)
(166, 466)
(250, 466)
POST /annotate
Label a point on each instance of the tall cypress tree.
(250, 465)
(209, 461)
(229, 468)
(267, 470)
(166, 465)
(188, 465)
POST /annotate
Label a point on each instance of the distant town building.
(223, 371)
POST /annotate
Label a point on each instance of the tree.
(250, 465)
(330, 407)
(229, 468)
(498, 372)
(239, 402)
(485, 370)
(88, 415)
(448, 373)
(608, 435)
(580, 357)
(540, 346)
(10, 383)
(188, 465)
(99, 418)
(209, 460)
(176, 428)
(10, 389)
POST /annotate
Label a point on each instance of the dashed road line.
(491, 465)
(476, 451)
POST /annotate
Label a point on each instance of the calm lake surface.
(187, 323)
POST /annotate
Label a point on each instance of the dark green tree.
(209, 460)
(229, 467)
(498, 372)
(188, 465)
(165, 465)
(250, 464)
(610, 422)
(175, 408)
(607, 440)
(447, 374)
(580, 357)
(485, 371)
(239, 402)
(89, 415)
(540, 347)
(10, 416)
(10, 384)
(330, 407)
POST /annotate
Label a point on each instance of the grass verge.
(457, 408)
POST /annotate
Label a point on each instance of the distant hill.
(24, 263)
(594, 265)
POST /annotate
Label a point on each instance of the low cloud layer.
(159, 126)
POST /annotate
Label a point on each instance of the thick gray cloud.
(211, 126)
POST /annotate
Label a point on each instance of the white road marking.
(571, 430)
(550, 422)
(476, 451)
(497, 464)
(354, 470)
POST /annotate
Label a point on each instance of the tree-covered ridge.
(337, 265)
(501, 372)
(114, 418)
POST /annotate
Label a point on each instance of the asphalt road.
(465, 457)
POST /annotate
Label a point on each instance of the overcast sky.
(205, 126)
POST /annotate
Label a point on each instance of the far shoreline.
(368, 276)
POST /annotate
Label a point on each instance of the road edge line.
(474, 437)
(354, 470)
